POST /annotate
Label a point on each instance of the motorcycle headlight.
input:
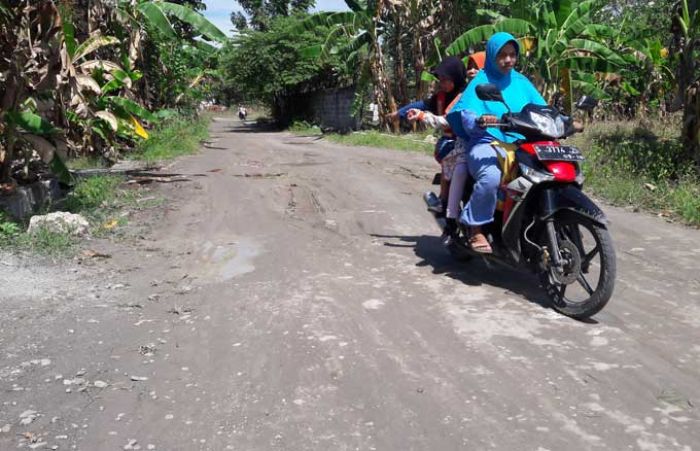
(534, 175)
(548, 126)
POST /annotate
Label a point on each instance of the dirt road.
(297, 298)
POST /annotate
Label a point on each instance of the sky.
(219, 11)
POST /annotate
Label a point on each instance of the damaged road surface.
(297, 298)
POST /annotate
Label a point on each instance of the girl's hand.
(414, 115)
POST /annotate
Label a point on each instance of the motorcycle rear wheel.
(581, 231)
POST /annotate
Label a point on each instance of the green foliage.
(9, 230)
(197, 21)
(41, 241)
(30, 122)
(265, 66)
(305, 128)
(260, 13)
(45, 242)
(628, 165)
(173, 138)
(556, 49)
(638, 152)
(86, 162)
(372, 138)
(91, 193)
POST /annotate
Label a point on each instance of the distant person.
(242, 113)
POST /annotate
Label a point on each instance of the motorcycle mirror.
(586, 103)
(489, 92)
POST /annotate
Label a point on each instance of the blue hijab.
(516, 88)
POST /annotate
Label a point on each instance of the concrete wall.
(331, 109)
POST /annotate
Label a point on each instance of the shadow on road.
(253, 127)
(474, 272)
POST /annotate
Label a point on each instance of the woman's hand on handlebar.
(487, 120)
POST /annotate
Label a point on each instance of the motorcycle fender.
(572, 199)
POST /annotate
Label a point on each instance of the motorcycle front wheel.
(584, 283)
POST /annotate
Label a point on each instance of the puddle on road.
(226, 261)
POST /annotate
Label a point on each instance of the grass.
(42, 241)
(641, 165)
(101, 199)
(173, 138)
(92, 193)
(413, 142)
(86, 162)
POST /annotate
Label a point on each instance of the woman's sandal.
(480, 244)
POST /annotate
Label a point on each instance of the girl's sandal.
(480, 244)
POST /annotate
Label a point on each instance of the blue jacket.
(517, 91)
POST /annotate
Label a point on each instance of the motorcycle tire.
(602, 293)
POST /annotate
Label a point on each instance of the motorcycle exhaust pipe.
(435, 207)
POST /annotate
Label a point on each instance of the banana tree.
(31, 64)
(143, 16)
(686, 28)
(554, 43)
(418, 22)
(365, 25)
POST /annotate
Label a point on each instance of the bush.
(638, 151)
(9, 230)
(627, 164)
(93, 192)
(174, 137)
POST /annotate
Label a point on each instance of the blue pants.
(484, 168)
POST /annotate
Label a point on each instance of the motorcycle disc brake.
(571, 264)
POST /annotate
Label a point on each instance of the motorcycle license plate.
(558, 153)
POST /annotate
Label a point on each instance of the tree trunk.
(688, 81)
(419, 67)
(382, 90)
(384, 97)
(691, 122)
(399, 71)
(6, 164)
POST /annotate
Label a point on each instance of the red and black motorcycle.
(545, 223)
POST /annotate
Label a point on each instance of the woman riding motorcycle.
(469, 120)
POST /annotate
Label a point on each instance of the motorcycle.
(545, 223)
